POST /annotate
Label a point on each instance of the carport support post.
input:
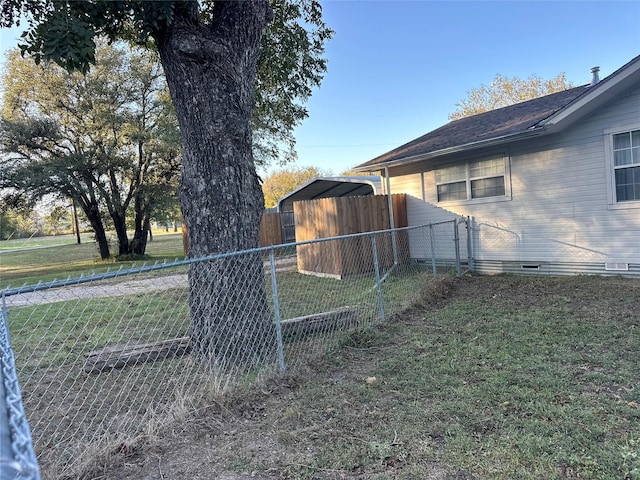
(376, 268)
(392, 223)
(276, 308)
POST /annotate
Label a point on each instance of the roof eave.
(533, 132)
(626, 76)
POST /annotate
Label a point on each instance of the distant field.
(26, 261)
(38, 242)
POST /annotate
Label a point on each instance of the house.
(550, 185)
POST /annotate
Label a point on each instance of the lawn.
(48, 258)
(499, 377)
(484, 378)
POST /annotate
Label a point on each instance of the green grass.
(485, 377)
(47, 241)
(27, 266)
(72, 328)
(50, 335)
(302, 294)
(512, 378)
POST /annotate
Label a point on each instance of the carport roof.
(327, 187)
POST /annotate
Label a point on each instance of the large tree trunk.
(210, 71)
(120, 225)
(138, 244)
(92, 212)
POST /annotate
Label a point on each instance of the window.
(472, 180)
(626, 165)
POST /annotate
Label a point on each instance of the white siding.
(558, 212)
(420, 212)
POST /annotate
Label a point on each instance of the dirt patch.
(246, 440)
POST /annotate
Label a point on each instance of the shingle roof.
(506, 121)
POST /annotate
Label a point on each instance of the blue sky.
(397, 68)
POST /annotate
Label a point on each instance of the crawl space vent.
(530, 267)
(616, 266)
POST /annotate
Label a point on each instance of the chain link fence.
(108, 358)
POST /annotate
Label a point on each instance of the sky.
(397, 69)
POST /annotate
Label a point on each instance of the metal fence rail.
(104, 358)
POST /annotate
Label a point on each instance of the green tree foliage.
(505, 91)
(353, 173)
(277, 184)
(290, 65)
(107, 139)
(58, 221)
(17, 216)
(290, 62)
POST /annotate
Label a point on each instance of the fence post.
(276, 308)
(4, 316)
(7, 467)
(456, 241)
(392, 227)
(433, 250)
(376, 268)
(469, 243)
(17, 458)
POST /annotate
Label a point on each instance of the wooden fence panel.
(330, 217)
(270, 230)
(317, 219)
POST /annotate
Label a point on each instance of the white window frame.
(468, 179)
(610, 167)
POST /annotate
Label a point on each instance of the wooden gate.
(288, 227)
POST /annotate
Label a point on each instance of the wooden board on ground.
(339, 319)
(119, 357)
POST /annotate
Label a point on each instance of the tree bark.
(120, 225)
(76, 223)
(138, 244)
(92, 212)
(210, 70)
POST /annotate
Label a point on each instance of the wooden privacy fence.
(327, 217)
(270, 229)
(332, 217)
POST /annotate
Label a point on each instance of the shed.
(325, 187)
(348, 257)
(329, 187)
